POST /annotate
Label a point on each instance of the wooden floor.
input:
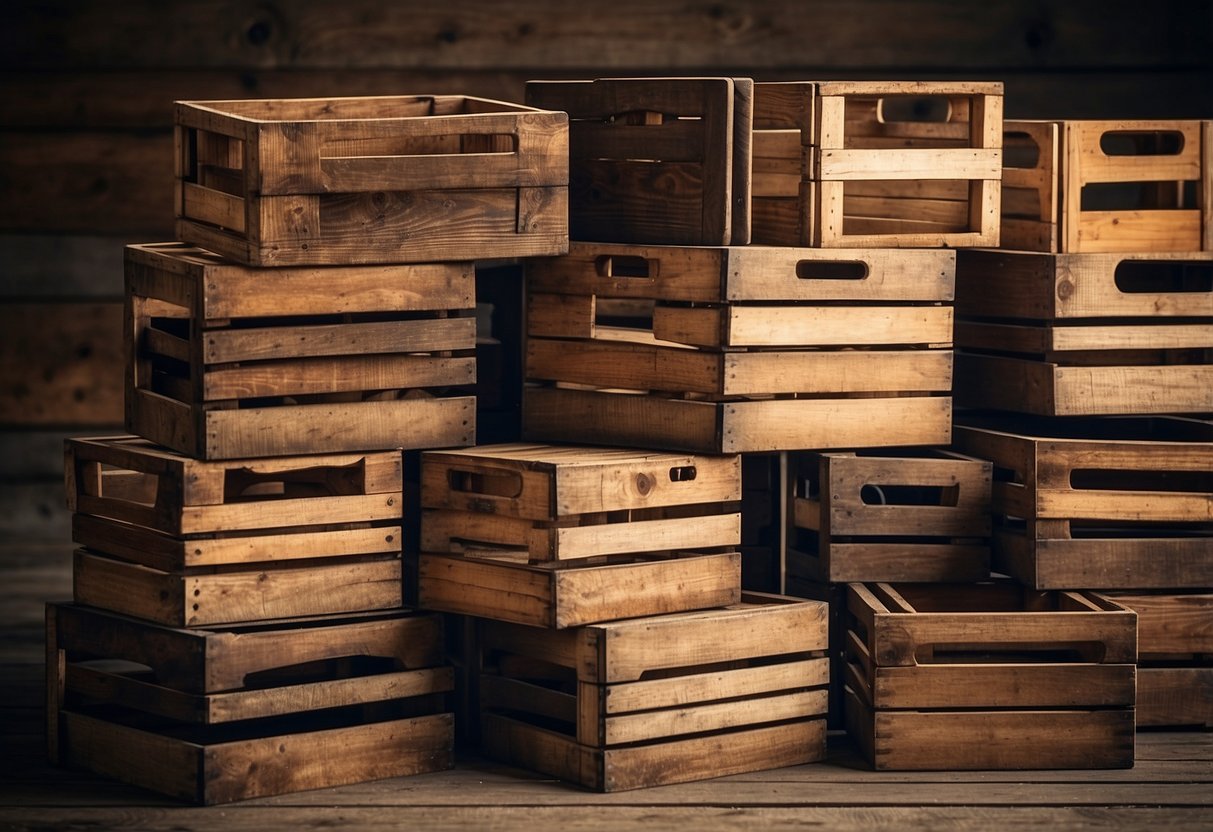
(1171, 787)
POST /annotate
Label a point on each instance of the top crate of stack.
(389, 179)
(664, 161)
(877, 164)
(1107, 186)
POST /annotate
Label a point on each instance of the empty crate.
(385, 179)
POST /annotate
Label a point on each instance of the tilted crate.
(223, 714)
(966, 676)
(226, 361)
(558, 503)
(189, 543)
(1175, 656)
(668, 699)
(739, 349)
(890, 516)
(1085, 334)
(656, 160)
(384, 179)
(1111, 503)
(845, 164)
(1092, 186)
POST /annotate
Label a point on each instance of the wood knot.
(644, 484)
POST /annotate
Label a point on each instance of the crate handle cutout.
(491, 483)
(914, 108)
(626, 265)
(1003, 652)
(1140, 196)
(243, 484)
(1154, 276)
(887, 494)
(683, 473)
(1141, 143)
(323, 670)
(121, 485)
(832, 270)
(1126, 479)
(452, 144)
(1020, 150)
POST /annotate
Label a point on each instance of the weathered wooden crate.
(384, 179)
(1112, 503)
(217, 715)
(1175, 657)
(1085, 334)
(558, 503)
(1131, 186)
(226, 361)
(656, 160)
(503, 586)
(652, 701)
(188, 543)
(900, 516)
(989, 676)
(739, 349)
(845, 164)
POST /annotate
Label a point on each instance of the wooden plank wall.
(85, 115)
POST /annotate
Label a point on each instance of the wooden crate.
(1113, 503)
(844, 164)
(897, 516)
(560, 594)
(1085, 334)
(653, 701)
(739, 349)
(557, 503)
(1175, 657)
(1101, 186)
(213, 716)
(989, 676)
(188, 543)
(384, 179)
(226, 361)
(656, 160)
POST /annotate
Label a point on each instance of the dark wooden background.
(85, 114)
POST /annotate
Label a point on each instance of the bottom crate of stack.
(659, 700)
(218, 715)
(989, 676)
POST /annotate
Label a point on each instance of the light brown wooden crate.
(895, 164)
(1043, 191)
(893, 516)
(561, 594)
(1110, 503)
(978, 676)
(387, 179)
(656, 160)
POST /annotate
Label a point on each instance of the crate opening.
(914, 108)
(909, 495)
(1138, 196)
(324, 670)
(244, 484)
(493, 483)
(1019, 150)
(1011, 652)
(1152, 276)
(683, 473)
(110, 482)
(625, 313)
(358, 107)
(626, 265)
(831, 270)
(1110, 479)
(722, 666)
(1142, 143)
(454, 143)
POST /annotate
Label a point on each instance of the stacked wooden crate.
(238, 628)
(1104, 317)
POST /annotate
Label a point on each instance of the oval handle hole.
(909, 495)
(494, 484)
(1154, 276)
(684, 473)
(625, 265)
(831, 270)
(1141, 143)
(914, 108)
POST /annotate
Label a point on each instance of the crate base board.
(227, 772)
(585, 594)
(659, 764)
(564, 415)
(302, 429)
(1174, 697)
(1105, 563)
(1002, 740)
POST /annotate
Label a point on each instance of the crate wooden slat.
(561, 594)
(384, 179)
(1111, 503)
(1060, 178)
(739, 349)
(955, 676)
(226, 361)
(558, 502)
(201, 716)
(895, 516)
(660, 700)
(656, 160)
(877, 163)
